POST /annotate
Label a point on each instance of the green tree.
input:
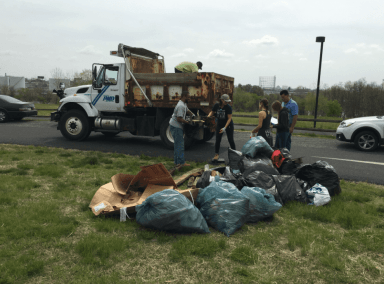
(334, 108)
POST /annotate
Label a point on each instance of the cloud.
(376, 46)
(220, 54)
(89, 49)
(189, 50)
(298, 54)
(178, 55)
(328, 62)
(351, 50)
(7, 52)
(265, 40)
(303, 59)
(260, 56)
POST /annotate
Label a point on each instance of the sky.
(241, 39)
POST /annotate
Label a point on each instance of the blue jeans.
(178, 149)
(282, 139)
(289, 142)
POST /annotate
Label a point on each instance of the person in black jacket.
(282, 126)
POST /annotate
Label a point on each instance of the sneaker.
(216, 157)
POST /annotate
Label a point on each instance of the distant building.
(12, 82)
(267, 82)
(36, 83)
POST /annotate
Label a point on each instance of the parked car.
(366, 132)
(11, 108)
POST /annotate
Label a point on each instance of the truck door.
(109, 96)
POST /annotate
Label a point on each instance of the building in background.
(267, 82)
(12, 82)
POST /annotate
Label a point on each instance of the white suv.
(366, 132)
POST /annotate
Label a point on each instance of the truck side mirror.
(94, 73)
(62, 85)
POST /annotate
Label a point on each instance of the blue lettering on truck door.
(109, 99)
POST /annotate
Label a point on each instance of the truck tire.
(167, 139)
(3, 116)
(74, 125)
(208, 135)
(366, 141)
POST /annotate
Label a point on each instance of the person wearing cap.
(188, 67)
(223, 112)
(176, 127)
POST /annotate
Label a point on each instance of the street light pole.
(318, 39)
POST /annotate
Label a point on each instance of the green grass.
(48, 234)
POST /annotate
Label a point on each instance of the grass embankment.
(48, 234)
(45, 106)
(301, 124)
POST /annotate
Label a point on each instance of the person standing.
(176, 127)
(263, 128)
(293, 111)
(282, 127)
(188, 67)
(223, 112)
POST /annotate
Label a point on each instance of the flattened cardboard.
(108, 195)
(121, 182)
(102, 207)
(184, 177)
(188, 192)
(153, 174)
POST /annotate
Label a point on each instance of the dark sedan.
(11, 108)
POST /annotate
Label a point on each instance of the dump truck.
(138, 96)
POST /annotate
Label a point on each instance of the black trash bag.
(228, 176)
(264, 181)
(286, 154)
(304, 185)
(170, 211)
(323, 173)
(289, 189)
(247, 166)
(203, 181)
(289, 167)
(234, 158)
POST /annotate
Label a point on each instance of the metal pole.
(318, 82)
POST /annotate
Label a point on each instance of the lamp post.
(318, 39)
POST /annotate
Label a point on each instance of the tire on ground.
(167, 139)
(75, 125)
(208, 135)
(366, 141)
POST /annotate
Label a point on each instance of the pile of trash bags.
(257, 182)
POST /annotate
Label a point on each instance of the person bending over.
(223, 112)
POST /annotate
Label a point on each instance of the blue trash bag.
(261, 204)
(223, 206)
(257, 145)
(170, 211)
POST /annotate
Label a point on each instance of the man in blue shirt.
(293, 111)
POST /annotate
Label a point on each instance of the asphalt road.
(350, 163)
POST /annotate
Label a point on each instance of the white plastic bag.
(318, 195)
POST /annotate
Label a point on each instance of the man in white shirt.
(176, 126)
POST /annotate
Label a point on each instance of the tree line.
(346, 100)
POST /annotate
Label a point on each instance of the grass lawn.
(49, 235)
(45, 106)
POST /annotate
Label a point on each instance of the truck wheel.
(167, 139)
(208, 135)
(3, 116)
(74, 125)
(110, 134)
(366, 141)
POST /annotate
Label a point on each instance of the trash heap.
(257, 182)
